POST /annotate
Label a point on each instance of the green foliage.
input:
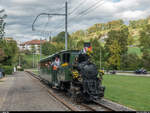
(27, 60)
(130, 62)
(9, 51)
(109, 25)
(60, 38)
(139, 23)
(114, 59)
(59, 47)
(2, 55)
(27, 52)
(145, 46)
(80, 44)
(48, 48)
(115, 24)
(78, 33)
(33, 49)
(116, 45)
(134, 50)
(145, 38)
(131, 40)
(146, 60)
(97, 49)
(71, 43)
(8, 69)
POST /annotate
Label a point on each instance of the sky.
(81, 15)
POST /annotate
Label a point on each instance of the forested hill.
(100, 30)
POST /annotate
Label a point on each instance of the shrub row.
(7, 69)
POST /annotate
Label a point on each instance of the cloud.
(132, 15)
(21, 14)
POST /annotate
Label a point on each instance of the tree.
(130, 62)
(2, 55)
(80, 44)
(33, 49)
(146, 60)
(114, 59)
(71, 43)
(116, 45)
(145, 45)
(48, 48)
(145, 39)
(97, 49)
(9, 51)
(60, 37)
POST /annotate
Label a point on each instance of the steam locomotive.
(76, 74)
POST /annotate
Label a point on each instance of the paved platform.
(19, 92)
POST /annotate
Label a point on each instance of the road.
(133, 74)
(19, 92)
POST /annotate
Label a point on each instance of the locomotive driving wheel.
(75, 94)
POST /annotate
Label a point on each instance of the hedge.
(7, 69)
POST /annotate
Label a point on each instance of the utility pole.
(33, 60)
(40, 50)
(100, 57)
(66, 24)
(55, 14)
(50, 38)
(19, 60)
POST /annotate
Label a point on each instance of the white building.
(28, 45)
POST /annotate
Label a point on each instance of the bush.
(7, 69)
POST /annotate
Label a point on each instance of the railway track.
(94, 106)
(69, 106)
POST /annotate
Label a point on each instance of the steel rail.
(104, 106)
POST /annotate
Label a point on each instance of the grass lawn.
(135, 50)
(36, 72)
(130, 91)
(29, 58)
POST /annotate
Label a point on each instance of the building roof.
(33, 42)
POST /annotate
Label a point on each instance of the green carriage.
(63, 75)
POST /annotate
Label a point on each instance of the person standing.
(14, 68)
(55, 66)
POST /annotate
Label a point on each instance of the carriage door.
(66, 61)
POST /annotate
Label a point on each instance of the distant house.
(28, 45)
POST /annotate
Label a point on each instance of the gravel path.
(21, 93)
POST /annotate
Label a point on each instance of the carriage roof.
(63, 51)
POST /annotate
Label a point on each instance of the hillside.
(100, 30)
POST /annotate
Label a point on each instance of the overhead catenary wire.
(82, 13)
(77, 7)
(62, 25)
(89, 9)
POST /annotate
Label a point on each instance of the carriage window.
(53, 58)
(66, 57)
